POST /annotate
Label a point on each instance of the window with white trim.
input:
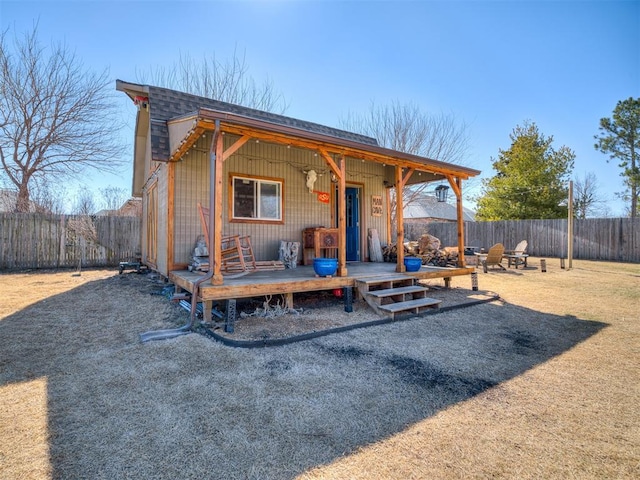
(256, 199)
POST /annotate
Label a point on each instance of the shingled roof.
(428, 207)
(166, 104)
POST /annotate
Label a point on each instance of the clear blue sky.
(492, 64)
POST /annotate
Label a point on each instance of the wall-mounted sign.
(323, 197)
(376, 205)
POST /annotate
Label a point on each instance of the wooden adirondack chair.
(518, 255)
(493, 258)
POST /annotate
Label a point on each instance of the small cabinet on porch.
(319, 242)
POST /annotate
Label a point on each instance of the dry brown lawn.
(544, 383)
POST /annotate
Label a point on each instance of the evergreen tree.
(620, 138)
(530, 181)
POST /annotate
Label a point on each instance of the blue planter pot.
(325, 266)
(412, 264)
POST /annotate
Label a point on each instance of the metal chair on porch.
(237, 252)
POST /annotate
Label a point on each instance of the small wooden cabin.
(266, 176)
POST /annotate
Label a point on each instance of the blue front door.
(353, 224)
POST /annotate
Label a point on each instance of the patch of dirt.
(259, 319)
(266, 318)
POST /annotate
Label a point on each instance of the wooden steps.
(392, 295)
(396, 292)
(383, 281)
(411, 306)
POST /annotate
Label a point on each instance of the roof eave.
(242, 125)
(132, 89)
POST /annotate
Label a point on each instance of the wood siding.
(162, 218)
(301, 208)
(191, 186)
(616, 239)
(31, 240)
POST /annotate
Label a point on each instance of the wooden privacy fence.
(31, 240)
(616, 239)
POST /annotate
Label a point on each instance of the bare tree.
(45, 197)
(227, 81)
(406, 128)
(113, 197)
(48, 197)
(586, 197)
(56, 118)
(83, 233)
(85, 203)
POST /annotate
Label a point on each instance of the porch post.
(456, 185)
(399, 221)
(342, 219)
(215, 205)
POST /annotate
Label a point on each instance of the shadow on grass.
(190, 407)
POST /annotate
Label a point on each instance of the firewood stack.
(200, 258)
(427, 248)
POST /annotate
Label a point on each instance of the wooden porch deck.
(300, 279)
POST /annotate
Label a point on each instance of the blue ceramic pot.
(412, 264)
(325, 266)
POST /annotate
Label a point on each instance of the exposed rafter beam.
(332, 164)
(407, 176)
(454, 184)
(235, 147)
